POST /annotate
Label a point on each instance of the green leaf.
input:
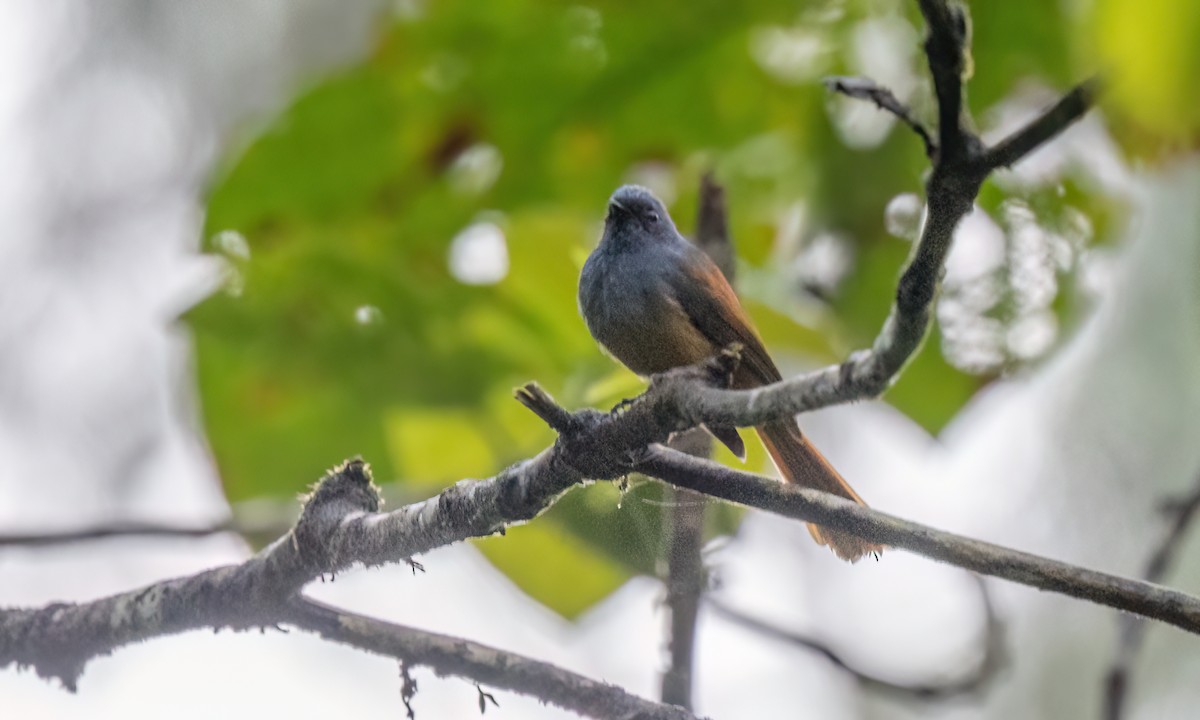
(555, 568)
(1151, 58)
(1015, 42)
(437, 446)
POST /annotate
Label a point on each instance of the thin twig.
(540, 404)
(408, 690)
(1132, 630)
(119, 529)
(861, 88)
(260, 520)
(971, 683)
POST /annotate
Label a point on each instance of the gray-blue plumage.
(638, 294)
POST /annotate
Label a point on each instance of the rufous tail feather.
(800, 463)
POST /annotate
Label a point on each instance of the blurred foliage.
(344, 329)
(1150, 50)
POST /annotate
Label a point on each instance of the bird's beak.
(614, 205)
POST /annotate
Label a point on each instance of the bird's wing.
(713, 308)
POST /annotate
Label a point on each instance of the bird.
(655, 301)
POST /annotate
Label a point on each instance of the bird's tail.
(800, 463)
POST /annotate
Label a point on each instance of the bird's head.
(636, 216)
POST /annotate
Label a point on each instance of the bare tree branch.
(59, 639)
(1132, 630)
(945, 42)
(260, 520)
(958, 171)
(685, 510)
(447, 655)
(950, 191)
(655, 414)
(686, 577)
(1066, 111)
(992, 655)
(338, 527)
(712, 226)
(116, 529)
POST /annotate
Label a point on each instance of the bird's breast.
(631, 309)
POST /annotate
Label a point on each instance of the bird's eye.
(652, 217)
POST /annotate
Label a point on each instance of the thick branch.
(686, 577)
(59, 639)
(339, 527)
(447, 655)
(1064, 113)
(1135, 596)
(684, 510)
(945, 45)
